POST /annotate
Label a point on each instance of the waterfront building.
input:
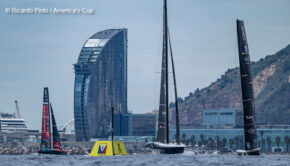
(100, 83)
(10, 123)
(144, 124)
(135, 125)
(269, 138)
(123, 124)
(223, 118)
(134, 139)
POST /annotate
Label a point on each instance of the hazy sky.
(38, 50)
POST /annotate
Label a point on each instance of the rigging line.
(170, 64)
(157, 68)
(165, 53)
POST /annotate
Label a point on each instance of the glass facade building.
(100, 83)
(135, 124)
(123, 124)
(144, 124)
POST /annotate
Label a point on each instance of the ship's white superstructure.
(11, 123)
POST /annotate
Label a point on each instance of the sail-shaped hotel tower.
(100, 83)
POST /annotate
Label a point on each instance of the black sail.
(176, 96)
(247, 89)
(55, 134)
(163, 130)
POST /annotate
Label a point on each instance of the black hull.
(166, 148)
(176, 150)
(52, 151)
(254, 153)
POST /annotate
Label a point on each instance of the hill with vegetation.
(271, 80)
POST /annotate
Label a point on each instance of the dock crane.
(17, 109)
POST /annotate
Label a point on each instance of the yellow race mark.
(105, 148)
(119, 148)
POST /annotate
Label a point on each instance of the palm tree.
(210, 143)
(286, 140)
(278, 142)
(183, 137)
(236, 141)
(231, 143)
(218, 142)
(269, 141)
(224, 142)
(263, 144)
(202, 139)
(262, 133)
(199, 143)
(192, 140)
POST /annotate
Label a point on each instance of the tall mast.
(247, 88)
(163, 129)
(165, 47)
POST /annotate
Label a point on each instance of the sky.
(39, 50)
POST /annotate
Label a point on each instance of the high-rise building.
(100, 83)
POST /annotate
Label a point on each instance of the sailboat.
(162, 142)
(50, 144)
(247, 94)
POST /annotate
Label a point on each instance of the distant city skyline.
(39, 50)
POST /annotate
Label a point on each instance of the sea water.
(145, 160)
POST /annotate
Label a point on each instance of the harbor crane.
(17, 109)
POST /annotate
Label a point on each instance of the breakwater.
(73, 148)
(17, 149)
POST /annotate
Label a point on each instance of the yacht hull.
(175, 150)
(248, 152)
(52, 151)
(171, 148)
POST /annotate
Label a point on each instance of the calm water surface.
(145, 160)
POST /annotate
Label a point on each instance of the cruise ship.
(10, 123)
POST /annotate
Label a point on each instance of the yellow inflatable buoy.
(108, 148)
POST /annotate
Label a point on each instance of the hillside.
(271, 77)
